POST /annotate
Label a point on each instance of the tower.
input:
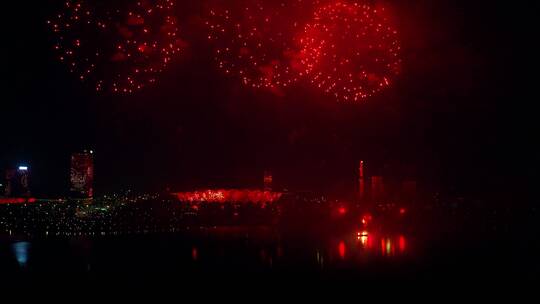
(17, 182)
(361, 181)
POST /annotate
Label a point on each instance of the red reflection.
(194, 254)
(370, 242)
(279, 251)
(388, 247)
(363, 238)
(402, 243)
(366, 219)
(341, 249)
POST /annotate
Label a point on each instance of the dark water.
(264, 254)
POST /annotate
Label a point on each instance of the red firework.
(350, 50)
(117, 46)
(256, 42)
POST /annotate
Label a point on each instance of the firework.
(117, 46)
(255, 40)
(350, 50)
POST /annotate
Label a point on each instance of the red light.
(402, 243)
(142, 48)
(366, 218)
(342, 210)
(342, 249)
(224, 196)
(194, 254)
(402, 211)
(17, 200)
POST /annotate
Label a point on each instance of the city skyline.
(225, 144)
(451, 111)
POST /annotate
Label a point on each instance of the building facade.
(82, 174)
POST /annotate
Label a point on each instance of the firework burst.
(256, 40)
(350, 50)
(117, 46)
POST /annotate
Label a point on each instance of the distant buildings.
(82, 174)
(395, 185)
(17, 182)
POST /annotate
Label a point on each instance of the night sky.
(460, 114)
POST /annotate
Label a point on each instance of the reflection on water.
(194, 253)
(342, 248)
(390, 245)
(355, 249)
(21, 250)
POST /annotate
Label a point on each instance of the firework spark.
(350, 50)
(117, 46)
(257, 43)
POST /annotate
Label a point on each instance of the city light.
(363, 233)
(23, 168)
(228, 195)
(342, 249)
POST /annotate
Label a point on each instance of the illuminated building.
(82, 174)
(17, 182)
(22, 176)
(377, 188)
(361, 181)
(268, 181)
(224, 196)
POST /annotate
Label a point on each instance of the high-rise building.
(82, 174)
(361, 181)
(268, 181)
(17, 182)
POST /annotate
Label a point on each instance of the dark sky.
(459, 115)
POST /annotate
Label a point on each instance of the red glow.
(194, 254)
(142, 48)
(117, 46)
(402, 243)
(342, 210)
(223, 196)
(366, 219)
(256, 43)
(342, 249)
(362, 236)
(402, 211)
(349, 50)
(4, 201)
